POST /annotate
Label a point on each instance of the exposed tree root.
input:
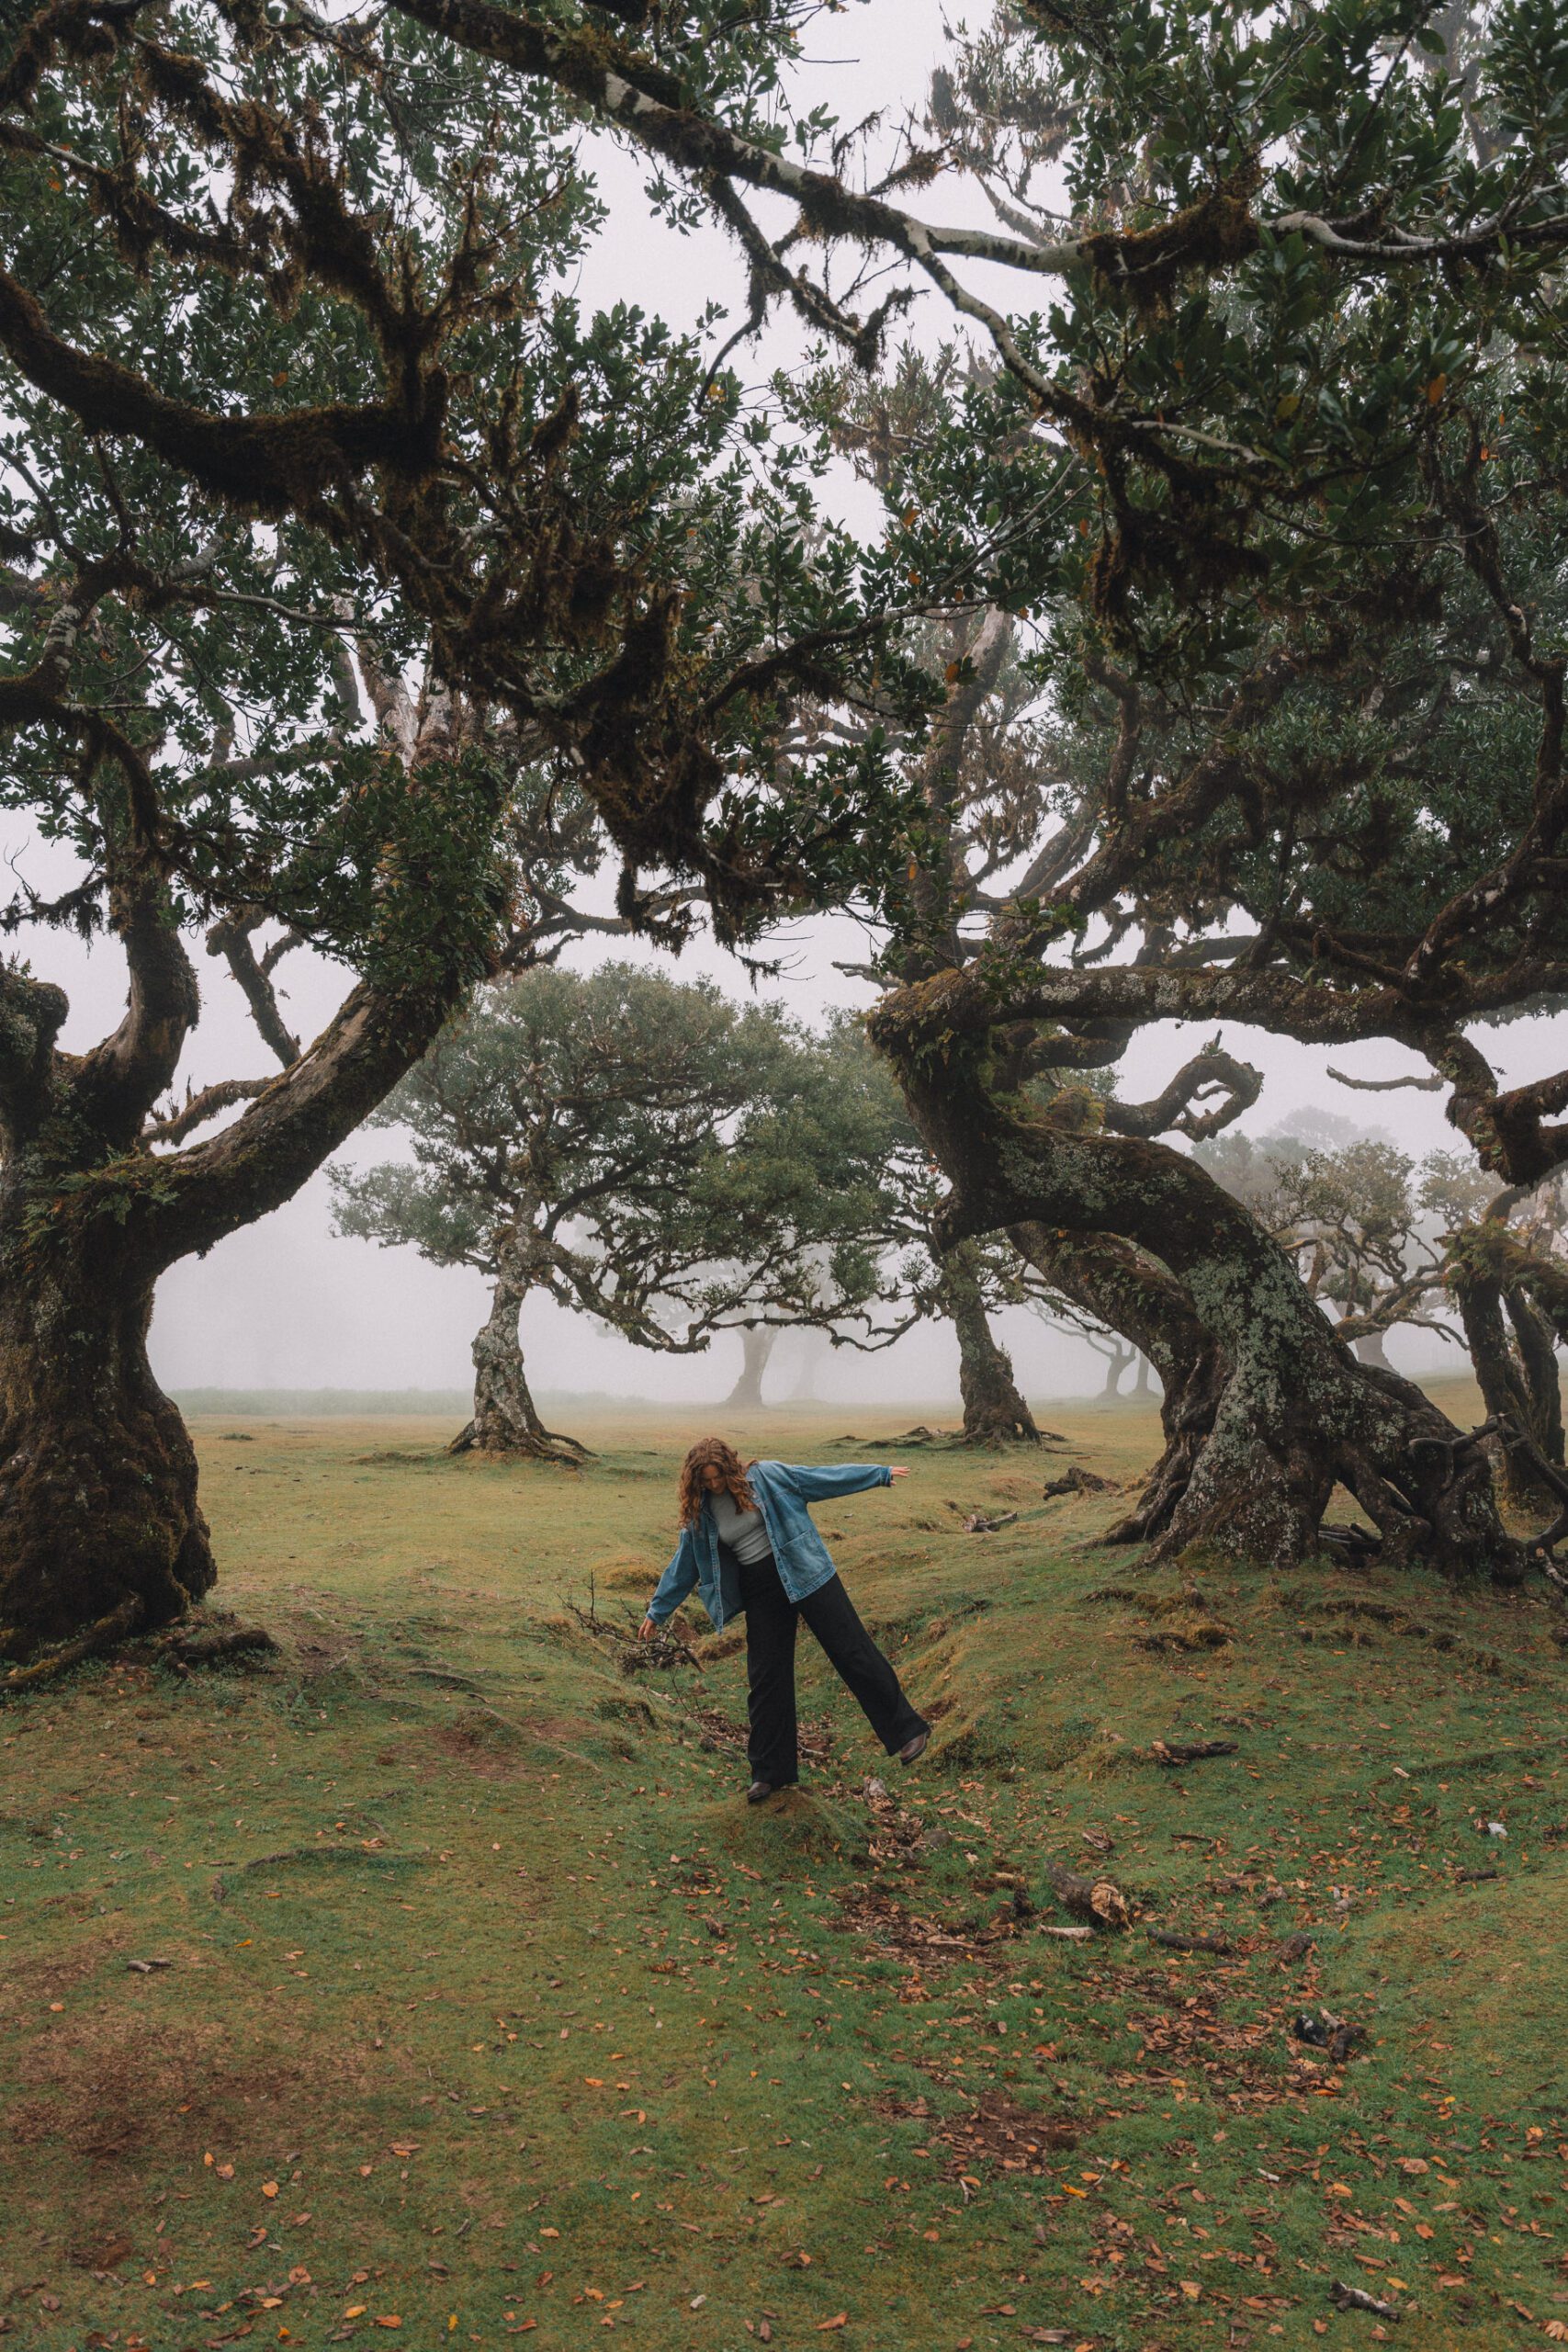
(182, 1646)
(504, 1442)
(1173, 1941)
(103, 1635)
(202, 1646)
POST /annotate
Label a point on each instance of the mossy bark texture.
(1294, 1413)
(97, 1476)
(1127, 1291)
(101, 1532)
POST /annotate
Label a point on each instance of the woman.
(747, 1543)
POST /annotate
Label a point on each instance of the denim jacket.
(783, 1490)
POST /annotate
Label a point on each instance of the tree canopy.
(342, 557)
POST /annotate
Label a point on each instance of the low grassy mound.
(430, 1978)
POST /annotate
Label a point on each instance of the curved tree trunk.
(1141, 1387)
(101, 1533)
(1126, 1290)
(99, 1522)
(506, 1419)
(994, 1411)
(1536, 1344)
(1296, 1413)
(1370, 1348)
(1116, 1362)
(758, 1341)
(1518, 1379)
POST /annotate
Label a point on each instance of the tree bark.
(1370, 1348)
(1124, 1289)
(994, 1411)
(98, 1514)
(506, 1418)
(1518, 1378)
(1296, 1413)
(100, 1529)
(758, 1341)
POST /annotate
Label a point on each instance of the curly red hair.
(712, 1454)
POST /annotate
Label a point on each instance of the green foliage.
(646, 1151)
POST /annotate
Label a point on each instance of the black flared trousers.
(771, 1618)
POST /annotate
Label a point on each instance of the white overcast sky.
(286, 1303)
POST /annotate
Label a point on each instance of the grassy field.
(434, 1984)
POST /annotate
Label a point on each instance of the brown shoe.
(760, 1792)
(913, 1749)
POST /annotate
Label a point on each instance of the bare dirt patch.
(117, 2089)
(998, 2132)
(921, 1944)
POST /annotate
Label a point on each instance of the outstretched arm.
(818, 1485)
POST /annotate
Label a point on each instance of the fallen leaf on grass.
(269, 2189)
(839, 2319)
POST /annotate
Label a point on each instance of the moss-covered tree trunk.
(101, 1532)
(1516, 1374)
(99, 1521)
(994, 1411)
(1126, 1290)
(1295, 1413)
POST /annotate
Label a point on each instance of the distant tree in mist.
(641, 1151)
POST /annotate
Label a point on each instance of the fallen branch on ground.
(198, 1647)
(1174, 1941)
(1356, 2299)
(1099, 1900)
(665, 1649)
(1171, 1752)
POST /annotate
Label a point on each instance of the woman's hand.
(646, 1630)
(899, 1470)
